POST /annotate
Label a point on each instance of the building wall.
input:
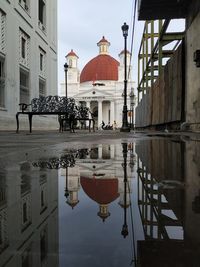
(19, 21)
(192, 170)
(192, 72)
(22, 238)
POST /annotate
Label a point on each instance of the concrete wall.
(192, 72)
(16, 19)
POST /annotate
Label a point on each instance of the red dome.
(103, 191)
(102, 67)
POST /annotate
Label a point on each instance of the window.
(24, 51)
(94, 153)
(43, 202)
(41, 62)
(25, 212)
(23, 48)
(25, 217)
(42, 13)
(24, 4)
(2, 32)
(43, 244)
(1, 233)
(26, 257)
(42, 87)
(106, 152)
(2, 82)
(24, 86)
(70, 63)
(42, 199)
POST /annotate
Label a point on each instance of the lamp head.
(124, 231)
(66, 67)
(132, 97)
(125, 28)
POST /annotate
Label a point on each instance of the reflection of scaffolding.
(156, 214)
(157, 45)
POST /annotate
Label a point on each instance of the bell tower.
(103, 45)
(73, 74)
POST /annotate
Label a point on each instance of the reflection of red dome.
(102, 67)
(103, 191)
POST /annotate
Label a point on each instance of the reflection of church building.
(100, 177)
(100, 84)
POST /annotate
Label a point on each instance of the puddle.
(125, 204)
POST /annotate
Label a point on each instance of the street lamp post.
(125, 127)
(124, 230)
(66, 69)
(132, 104)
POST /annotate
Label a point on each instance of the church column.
(100, 152)
(99, 113)
(112, 151)
(112, 112)
(88, 106)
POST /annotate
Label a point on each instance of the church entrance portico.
(102, 110)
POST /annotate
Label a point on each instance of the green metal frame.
(152, 51)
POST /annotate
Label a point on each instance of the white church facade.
(100, 84)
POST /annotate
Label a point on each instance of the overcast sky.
(81, 24)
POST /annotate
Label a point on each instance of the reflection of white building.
(28, 56)
(28, 217)
(100, 177)
(100, 84)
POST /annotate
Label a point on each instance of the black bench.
(80, 113)
(65, 108)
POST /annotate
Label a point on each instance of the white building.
(100, 85)
(28, 55)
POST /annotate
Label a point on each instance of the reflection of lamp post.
(66, 184)
(132, 157)
(124, 231)
(66, 69)
(132, 104)
(125, 127)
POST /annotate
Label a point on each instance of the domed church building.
(100, 84)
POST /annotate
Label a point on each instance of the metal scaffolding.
(154, 208)
(157, 46)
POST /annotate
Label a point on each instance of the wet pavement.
(103, 199)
